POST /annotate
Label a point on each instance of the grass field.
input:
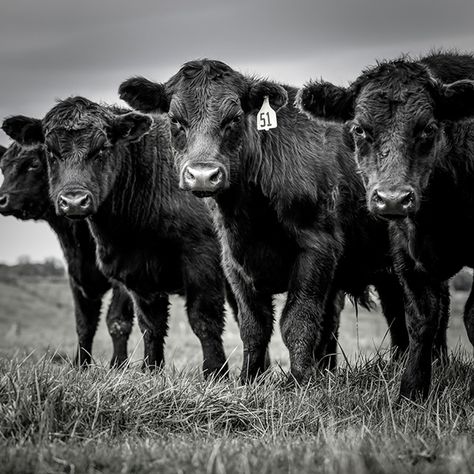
(54, 418)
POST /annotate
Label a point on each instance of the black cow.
(287, 203)
(417, 159)
(24, 195)
(115, 169)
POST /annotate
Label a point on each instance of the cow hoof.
(305, 376)
(146, 367)
(82, 364)
(216, 371)
(412, 392)
(118, 362)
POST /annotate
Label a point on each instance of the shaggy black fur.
(406, 130)
(25, 186)
(289, 210)
(150, 237)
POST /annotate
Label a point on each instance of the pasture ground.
(54, 418)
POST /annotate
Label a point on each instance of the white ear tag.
(266, 117)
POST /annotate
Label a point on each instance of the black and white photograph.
(236, 236)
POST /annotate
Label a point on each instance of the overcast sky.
(55, 48)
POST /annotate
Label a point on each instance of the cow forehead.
(403, 102)
(76, 142)
(213, 94)
(75, 113)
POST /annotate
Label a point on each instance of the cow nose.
(395, 203)
(204, 180)
(4, 198)
(75, 204)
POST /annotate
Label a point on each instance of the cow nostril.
(377, 198)
(85, 201)
(188, 176)
(4, 200)
(216, 177)
(408, 199)
(63, 203)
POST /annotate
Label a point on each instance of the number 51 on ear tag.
(266, 117)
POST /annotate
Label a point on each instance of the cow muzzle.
(393, 203)
(203, 180)
(75, 204)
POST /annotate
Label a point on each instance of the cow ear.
(130, 127)
(144, 95)
(323, 100)
(277, 96)
(455, 101)
(24, 130)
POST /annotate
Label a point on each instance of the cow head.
(394, 116)
(81, 139)
(24, 190)
(209, 105)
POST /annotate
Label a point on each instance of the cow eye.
(53, 155)
(33, 166)
(430, 130)
(177, 122)
(230, 122)
(358, 131)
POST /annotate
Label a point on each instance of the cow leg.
(235, 310)
(469, 316)
(152, 315)
(469, 324)
(255, 314)
(325, 354)
(424, 306)
(302, 319)
(440, 348)
(119, 324)
(207, 317)
(391, 297)
(87, 313)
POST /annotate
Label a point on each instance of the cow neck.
(260, 163)
(62, 226)
(136, 199)
(74, 236)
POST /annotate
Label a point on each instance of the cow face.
(209, 106)
(394, 117)
(24, 190)
(82, 139)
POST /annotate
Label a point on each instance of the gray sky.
(55, 48)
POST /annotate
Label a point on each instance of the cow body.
(24, 194)
(117, 171)
(287, 203)
(415, 155)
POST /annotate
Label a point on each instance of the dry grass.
(54, 418)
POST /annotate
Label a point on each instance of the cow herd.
(368, 185)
